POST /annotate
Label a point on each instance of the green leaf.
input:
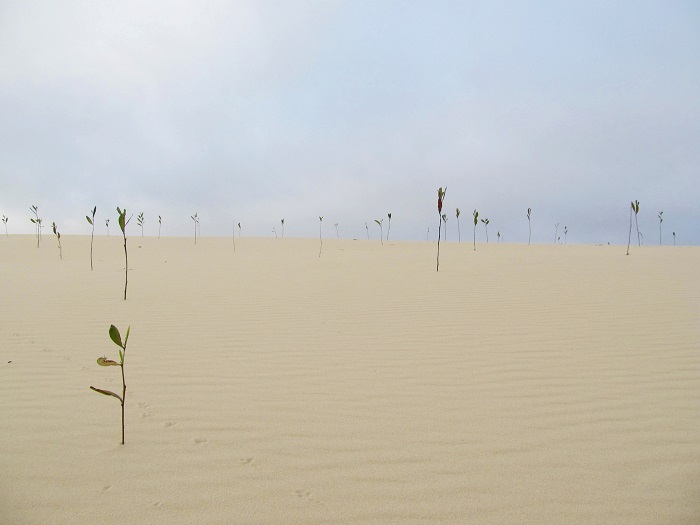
(103, 361)
(33, 221)
(122, 224)
(88, 219)
(115, 336)
(128, 330)
(121, 356)
(106, 393)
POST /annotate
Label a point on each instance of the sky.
(257, 111)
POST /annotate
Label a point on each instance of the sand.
(520, 384)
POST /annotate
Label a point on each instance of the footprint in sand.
(245, 461)
(106, 488)
(169, 424)
(199, 440)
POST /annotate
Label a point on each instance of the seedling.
(91, 221)
(441, 198)
(107, 224)
(282, 221)
(381, 232)
(633, 210)
(160, 223)
(123, 221)
(337, 235)
(674, 238)
(36, 220)
(486, 225)
(139, 219)
(239, 230)
(389, 230)
(566, 230)
(5, 219)
(459, 232)
(444, 219)
(661, 219)
(529, 226)
(58, 237)
(556, 230)
(640, 237)
(476, 221)
(196, 223)
(274, 231)
(499, 237)
(320, 234)
(103, 361)
(367, 228)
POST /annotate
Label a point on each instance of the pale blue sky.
(260, 110)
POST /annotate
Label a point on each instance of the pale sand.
(520, 384)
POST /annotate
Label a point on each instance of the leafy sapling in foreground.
(139, 220)
(58, 237)
(4, 220)
(381, 230)
(103, 361)
(441, 199)
(36, 220)
(91, 222)
(123, 221)
(476, 221)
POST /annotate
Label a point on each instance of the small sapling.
(103, 361)
(337, 235)
(566, 231)
(274, 231)
(91, 221)
(634, 209)
(441, 199)
(381, 232)
(139, 220)
(556, 231)
(36, 220)
(389, 229)
(282, 221)
(239, 230)
(476, 221)
(640, 237)
(661, 219)
(486, 225)
(320, 234)
(499, 237)
(674, 238)
(107, 224)
(196, 223)
(123, 221)
(58, 237)
(459, 232)
(529, 226)
(4, 220)
(444, 220)
(160, 223)
(367, 228)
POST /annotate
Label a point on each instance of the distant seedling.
(381, 232)
(103, 361)
(486, 225)
(459, 232)
(320, 234)
(91, 221)
(107, 224)
(58, 237)
(123, 221)
(239, 230)
(367, 228)
(556, 231)
(196, 224)
(634, 209)
(529, 226)
(36, 220)
(139, 220)
(499, 237)
(4, 220)
(476, 221)
(282, 221)
(674, 238)
(389, 229)
(337, 235)
(441, 199)
(661, 219)
(566, 231)
(444, 220)
(160, 223)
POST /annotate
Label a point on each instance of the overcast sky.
(262, 110)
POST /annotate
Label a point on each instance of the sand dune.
(520, 384)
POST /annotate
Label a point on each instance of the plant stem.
(126, 266)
